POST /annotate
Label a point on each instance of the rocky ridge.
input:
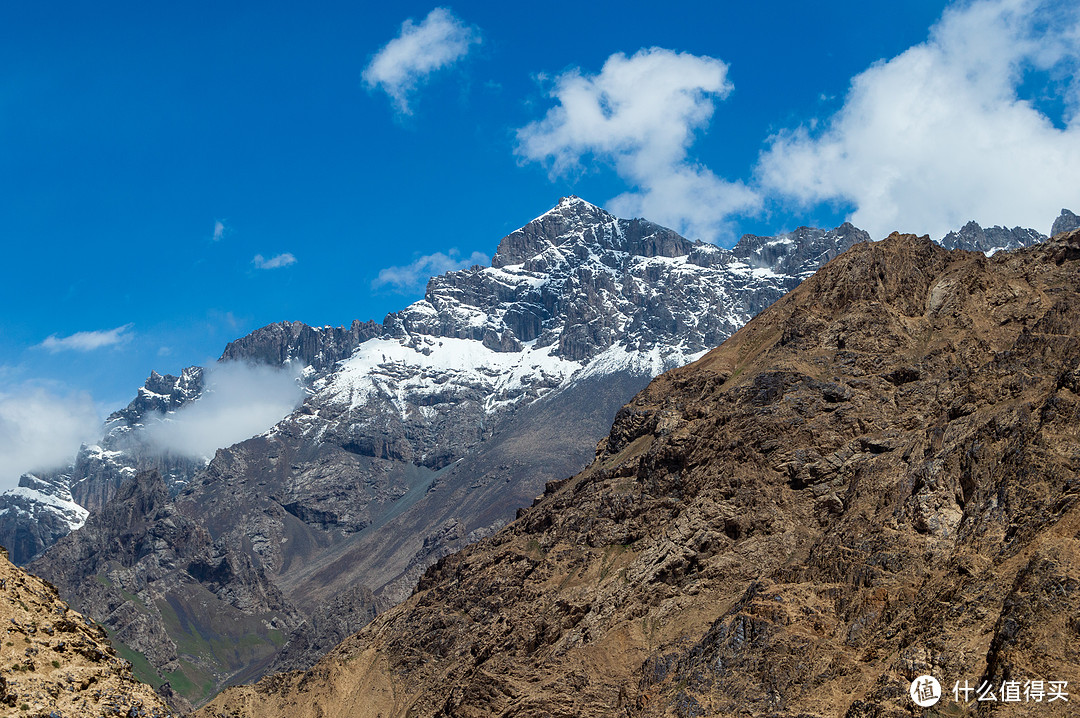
(874, 479)
(972, 237)
(38, 513)
(425, 433)
(54, 662)
(49, 505)
(1067, 221)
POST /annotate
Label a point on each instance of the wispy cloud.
(219, 231)
(640, 114)
(440, 40)
(42, 429)
(88, 341)
(939, 134)
(275, 262)
(412, 278)
(239, 401)
(217, 318)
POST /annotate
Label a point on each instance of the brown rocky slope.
(56, 663)
(874, 479)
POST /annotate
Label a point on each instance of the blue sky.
(173, 176)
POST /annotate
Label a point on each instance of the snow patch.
(28, 502)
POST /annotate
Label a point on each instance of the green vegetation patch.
(213, 640)
(139, 665)
(192, 682)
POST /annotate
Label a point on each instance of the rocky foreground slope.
(876, 478)
(56, 663)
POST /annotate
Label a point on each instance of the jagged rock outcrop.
(317, 347)
(49, 505)
(799, 253)
(125, 450)
(876, 478)
(162, 394)
(972, 237)
(1066, 222)
(54, 662)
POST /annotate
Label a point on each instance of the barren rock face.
(55, 662)
(143, 568)
(875, 479)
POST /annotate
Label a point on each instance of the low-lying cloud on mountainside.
(41, 430)
(239, 401)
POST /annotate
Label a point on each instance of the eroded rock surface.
(55, 662)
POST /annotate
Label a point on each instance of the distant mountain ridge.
(972, 237)
(420, 434)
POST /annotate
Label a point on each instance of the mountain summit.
(419, 435)
(873, 480)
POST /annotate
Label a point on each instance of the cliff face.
(189, 609)
(875, 479)
(54, 662)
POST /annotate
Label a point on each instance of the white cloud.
(439, 41)
(281, 260)
(641, 114)
(413, 278)
(87, 341)
(219, 230)
(42, 430)
(939, 134)
(239, 401)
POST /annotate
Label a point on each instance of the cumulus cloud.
(440, 40)
(42, 430)
(239, 401)
(219, 231)
(87, 341)
(640, 114)
(940, 134)
(276, 262)
(412, 278)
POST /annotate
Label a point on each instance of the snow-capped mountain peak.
(419, 434)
